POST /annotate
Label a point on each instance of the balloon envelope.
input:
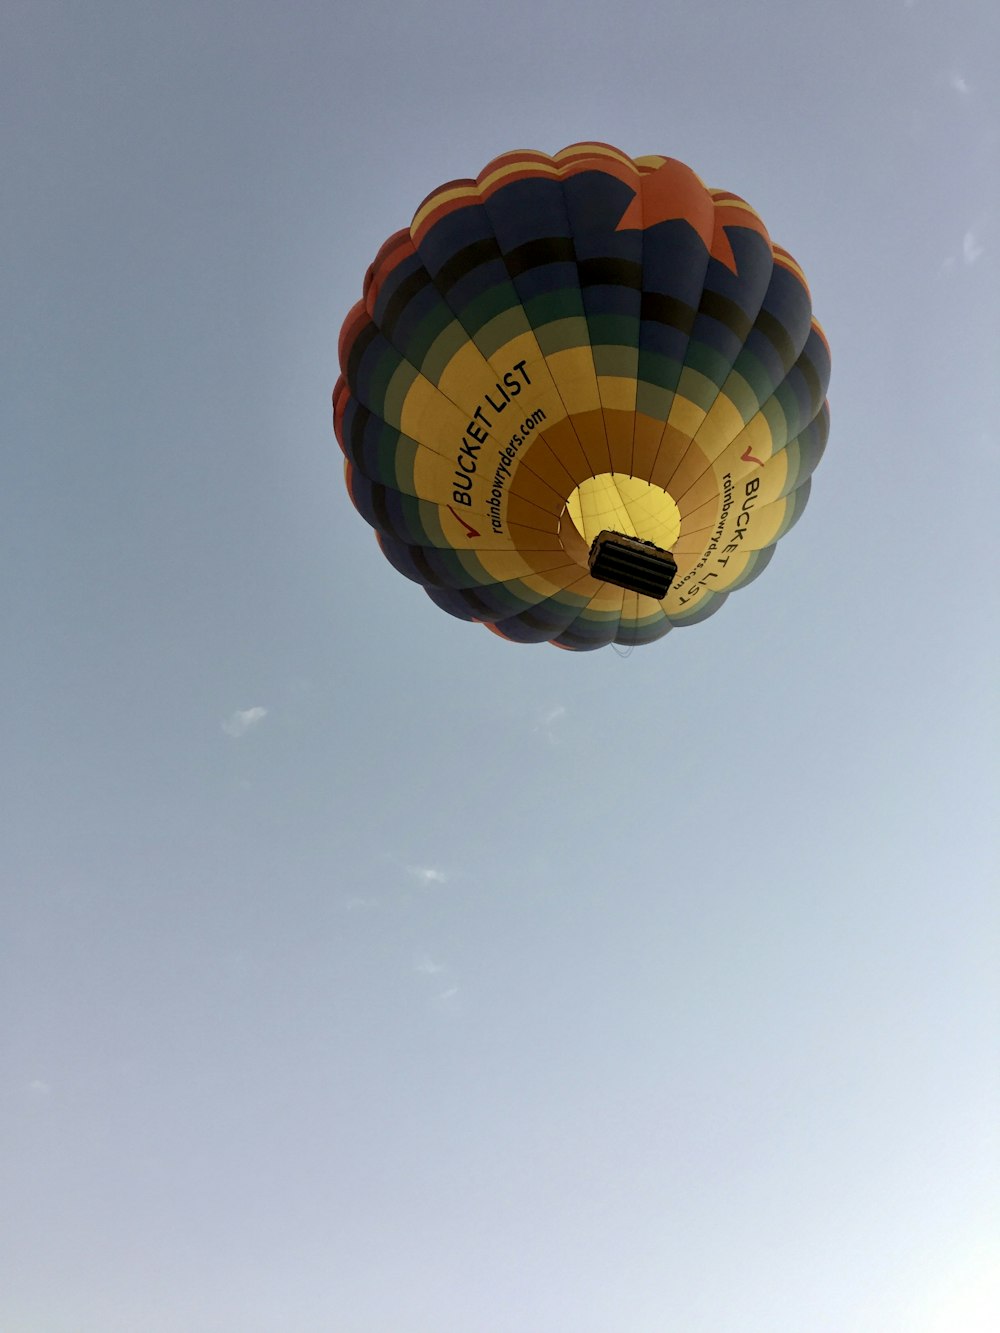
(571, 345)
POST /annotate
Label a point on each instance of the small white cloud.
(359, 902)
(971, 246)
(428, 874)
(39, 1088)
(243, 720)
(548, 722)
(960, 84)
(427, 967)
(448, 994)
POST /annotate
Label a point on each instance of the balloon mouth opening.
(622, 505)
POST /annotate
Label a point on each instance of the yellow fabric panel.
(527, 513)
(690, 467)
(573, 372)
(551, 582)
(733, 570)
(671, 447)
(532, 490)
(541, 460)
(767, 523)
(755, 439)
(647, 608)
(699, 521)
(617, 392)
(562, 442)
(528, 539)
(619, 427)
(721, 425)
(772, 475)
(619, 455)
(510, 564)
(704, 490)
(686, 416)
(593, 437)
(679, 602)
(433, 476)
(465, 377)
(435, 423)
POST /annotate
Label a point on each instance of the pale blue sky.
(677, 1014)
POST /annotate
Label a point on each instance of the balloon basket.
(630, 563)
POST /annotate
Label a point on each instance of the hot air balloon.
(582, 397)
